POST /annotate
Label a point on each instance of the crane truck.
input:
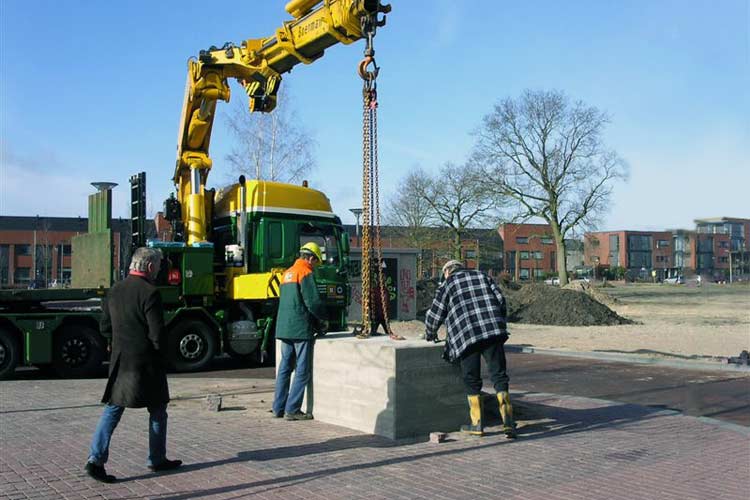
(221, 270)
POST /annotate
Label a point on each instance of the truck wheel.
(10, 354)
(79, 351)
(192, 346)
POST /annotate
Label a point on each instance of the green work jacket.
(300, 305)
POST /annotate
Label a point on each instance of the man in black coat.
(132, 314)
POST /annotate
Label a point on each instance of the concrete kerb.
(628, 358)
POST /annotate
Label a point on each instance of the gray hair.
(142, 257)
(452, 265)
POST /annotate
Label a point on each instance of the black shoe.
(166, 465)
(99, 473)
(276, 415)
(510, 431)
(298, 415)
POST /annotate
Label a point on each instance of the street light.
(357, 213)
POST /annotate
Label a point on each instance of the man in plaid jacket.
(474, 312)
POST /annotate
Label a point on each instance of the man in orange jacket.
(301, 310)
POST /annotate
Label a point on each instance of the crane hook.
(367, 75)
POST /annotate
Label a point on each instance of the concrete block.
(437, 437)
(213, 402)
(395, 389)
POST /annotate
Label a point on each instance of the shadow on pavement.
(544, 421)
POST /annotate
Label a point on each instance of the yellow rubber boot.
(475, 413)
(506, 413)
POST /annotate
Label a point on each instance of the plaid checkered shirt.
(472, 307)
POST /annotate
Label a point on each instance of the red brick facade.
(529, 251)
(668, 253)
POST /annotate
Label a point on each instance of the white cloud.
(41, 185)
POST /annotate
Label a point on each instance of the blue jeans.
(157, 434)
(296, 355)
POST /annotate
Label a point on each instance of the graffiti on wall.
(407, 289)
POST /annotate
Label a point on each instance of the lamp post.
(357, 213)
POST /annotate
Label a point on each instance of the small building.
(400, 275)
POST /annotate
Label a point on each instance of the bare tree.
(271, 146)
(548, 155)
(411, 215)
(459, 197)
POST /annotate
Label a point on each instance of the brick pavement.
(571, 448)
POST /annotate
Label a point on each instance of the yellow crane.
(258, 65)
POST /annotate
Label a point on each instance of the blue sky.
(93, 90)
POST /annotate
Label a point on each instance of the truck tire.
(79, 351)
(10, 353)
(192, 346)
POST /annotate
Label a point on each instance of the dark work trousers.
(494, 356)
(376, 323)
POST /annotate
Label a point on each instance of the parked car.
(675, 280)
(552, 281)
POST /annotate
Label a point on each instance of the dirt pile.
(548, 305)
(576, 304)
(593, 291)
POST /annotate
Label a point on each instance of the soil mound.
(547, 305)
(593, 291)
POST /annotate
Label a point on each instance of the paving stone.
(569, 448)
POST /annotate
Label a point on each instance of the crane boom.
(258, 65)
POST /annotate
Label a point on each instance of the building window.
(537, 255)
(548, 241)
(524, 273)
(522, 240)
(511, 261)
(22, 275)
(662, 243)
(67, 250)
(639, 242)
(23, 249)
(524, 255)
(4, 263)
(539, 273)
(706, 245)
(471, 254)
(723, 244)
(723, 260)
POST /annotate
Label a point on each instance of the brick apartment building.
(705, 250)
(530, 252)
(36, 251)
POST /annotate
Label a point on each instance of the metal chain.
(370, 181)
(365, 242)
(378, 242)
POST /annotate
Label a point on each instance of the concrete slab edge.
(627, 358)
(745, 431)
(741, 429)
